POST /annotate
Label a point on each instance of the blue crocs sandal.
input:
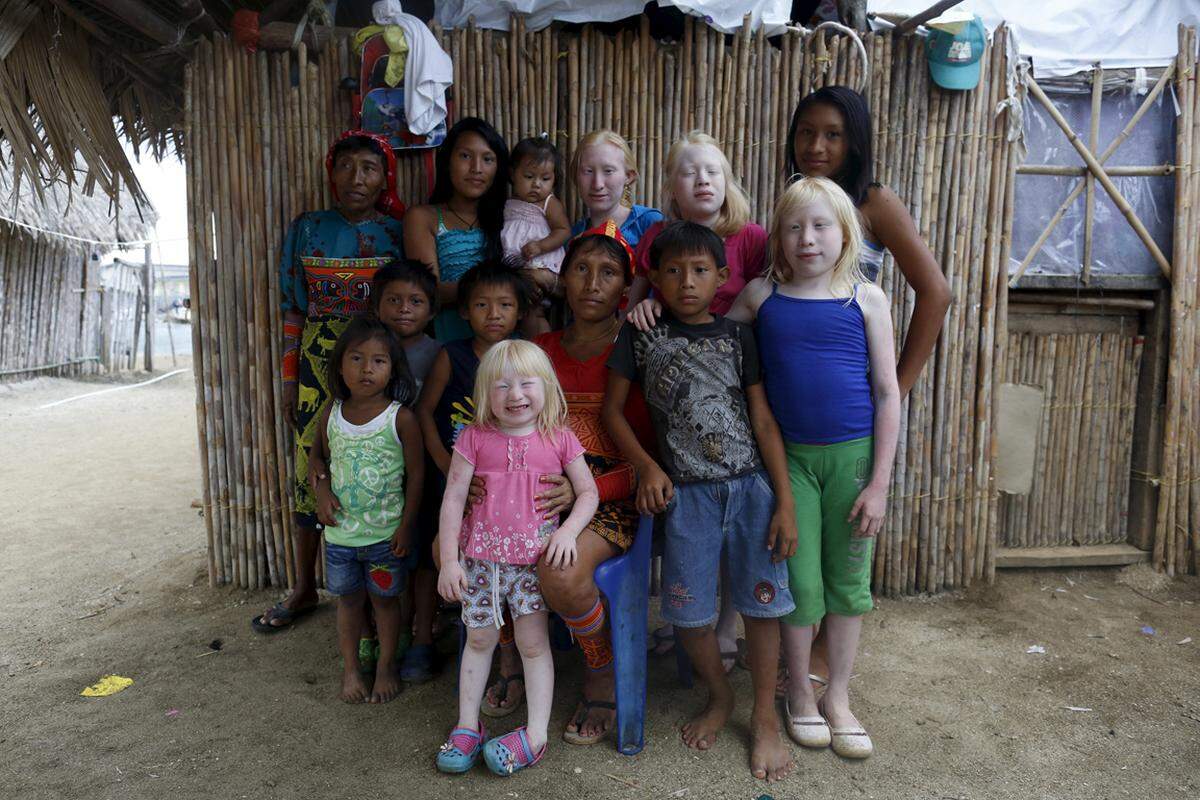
(511, 753)
(418, 665)
(460, 752)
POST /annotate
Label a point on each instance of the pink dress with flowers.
(506, 528)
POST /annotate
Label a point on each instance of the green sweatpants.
(831, 571)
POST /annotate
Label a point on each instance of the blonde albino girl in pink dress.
(489, 558)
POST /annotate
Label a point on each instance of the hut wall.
(1177, 481)
(256, 144)
(1081, 484)
(48, 313)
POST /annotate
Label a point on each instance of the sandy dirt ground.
(102, 570)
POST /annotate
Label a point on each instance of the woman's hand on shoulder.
(645, 314)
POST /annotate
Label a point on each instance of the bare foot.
(770, 759)
(597, 686)
(353, 688)
(701, 732)
(387, 684)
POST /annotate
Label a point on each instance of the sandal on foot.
(286, 617)
(461, 750)
(499, 710)
(368, 656)
(581, 715)
(418, 665)
(511, 753)
(806, 731)
(661, 643)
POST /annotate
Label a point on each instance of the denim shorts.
(706, 521)
(373, 567)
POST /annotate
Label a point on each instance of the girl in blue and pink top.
(519, 434)
(825, 341)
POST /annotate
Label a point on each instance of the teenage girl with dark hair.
(461, 224)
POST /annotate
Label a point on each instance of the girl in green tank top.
(368, 499)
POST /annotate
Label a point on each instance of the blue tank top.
(458, 250)
(815, 368)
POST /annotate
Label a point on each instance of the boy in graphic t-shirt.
(718, 442)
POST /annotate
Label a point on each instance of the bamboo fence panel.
(258, 127)
(1080, 490)
(1177, 529)
(56, 318)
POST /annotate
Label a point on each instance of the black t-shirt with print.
(694, 379)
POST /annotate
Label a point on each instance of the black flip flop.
(499, 710)
(261, 623)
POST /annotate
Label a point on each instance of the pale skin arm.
(451, 579)
(561, 551)
(639, 290)
(645, 314)
(893, 227)
(655, 489)
(414, 478)
(885, 391)
(781, 535)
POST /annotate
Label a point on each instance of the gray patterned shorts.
(492, 586)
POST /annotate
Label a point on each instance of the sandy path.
(102, 570)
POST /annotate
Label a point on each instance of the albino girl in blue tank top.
(826, 344)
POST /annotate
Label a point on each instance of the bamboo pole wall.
(47, 315)
(257, 143)
(1080, 491)
(1177, 531)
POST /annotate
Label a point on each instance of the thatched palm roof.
(53, 208)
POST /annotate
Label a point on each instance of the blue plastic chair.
(625, 581)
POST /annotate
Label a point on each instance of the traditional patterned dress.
(583, 384)
(324, 280)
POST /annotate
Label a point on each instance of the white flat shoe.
(851, 742)
(807, 731)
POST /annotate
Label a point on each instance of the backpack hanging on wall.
(379, 108)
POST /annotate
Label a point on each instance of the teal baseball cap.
(955, 58)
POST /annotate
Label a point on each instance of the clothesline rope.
(73, 238)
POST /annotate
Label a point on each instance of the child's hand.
(476, 491)
(781, 535)
(562, 551)
(452, 582)
(317, 471)
(869, 507)
(645, 314)
(327, 505)
(400, 540)
(655, 490)
(531, 250)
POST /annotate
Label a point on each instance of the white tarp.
(1063, 37)
(724, 16)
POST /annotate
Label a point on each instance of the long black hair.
(401, 385)
(491, 204)
(855, 177)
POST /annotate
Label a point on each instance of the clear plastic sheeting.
(724, 16)
(1063, 37)
(1116, 249)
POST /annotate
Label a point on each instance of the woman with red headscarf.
(329, 258)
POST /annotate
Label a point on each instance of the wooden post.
(148, 306)
(1089, 209)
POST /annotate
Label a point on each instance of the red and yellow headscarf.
(613, 231)
(387, 202)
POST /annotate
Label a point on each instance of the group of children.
(768, 366)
